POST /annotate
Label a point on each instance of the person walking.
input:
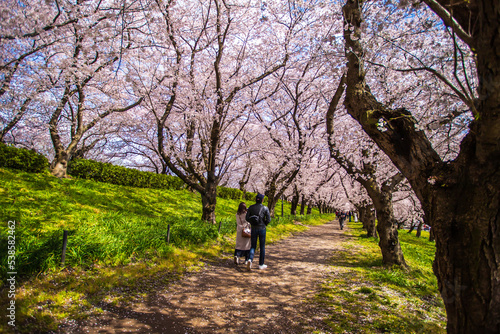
(258, 215)
(342, 219)
(242, 247)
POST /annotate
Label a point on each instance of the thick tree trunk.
(271, 204)
(367, 217)
(388, 231)
(467, 232)
(461, 198)
(387, 227)
(209, 202)
(274, 194)
(59, 165)
(59, 168)
(371, 225)
(303, 205)
(272, 198)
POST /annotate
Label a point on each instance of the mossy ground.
(366, 297)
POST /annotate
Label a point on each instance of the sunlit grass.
(366, 297)
(106, 223)
(117, 248)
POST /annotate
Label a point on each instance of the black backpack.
(255, 219)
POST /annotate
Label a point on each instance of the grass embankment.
(117, 246)
(366, 297)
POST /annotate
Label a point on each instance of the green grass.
(107, 224)
(117, 248)
(366, 297)
(117, 252)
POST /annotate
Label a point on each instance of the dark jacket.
(265, 216)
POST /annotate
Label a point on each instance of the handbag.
(246, 232)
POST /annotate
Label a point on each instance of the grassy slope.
(117, 247)
(117, 252)
(107, 223)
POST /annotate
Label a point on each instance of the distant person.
(258, 215)
(342, 218)
(242, 243)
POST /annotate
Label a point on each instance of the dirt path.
(225, 298)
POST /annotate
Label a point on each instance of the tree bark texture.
(295, 202)
(367, 217)
(386, 225)
(419, 229)
(303, 204)
(209, 201)
(461, 198)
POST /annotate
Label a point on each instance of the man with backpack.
(258, 216)
(342, 219)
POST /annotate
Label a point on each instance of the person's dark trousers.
(241, 253)
(261, 235)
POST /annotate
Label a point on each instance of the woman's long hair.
(242, 208)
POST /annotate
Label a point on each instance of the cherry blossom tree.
(458, 195)
(26, 31)
(367, 166)
(91, 86)
(213, 52)
(69, 64)
(363, 204)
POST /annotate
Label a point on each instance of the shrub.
(229, 193)
(250, 196)
(23, 159)
(109, 173)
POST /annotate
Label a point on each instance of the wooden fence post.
(168, 234)
(65, 242)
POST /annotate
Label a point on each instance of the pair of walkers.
(256, 218)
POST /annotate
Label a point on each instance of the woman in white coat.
(242, 243)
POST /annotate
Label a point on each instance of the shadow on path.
(225, 298)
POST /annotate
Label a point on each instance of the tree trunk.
(59, 165)
(387, 231)
(371, 225)
(303, 205)
(272, 198)
(460, 198)
(387, 228)
(295, 202)
(431, 235)
(419, 229)
(412, 227)
(367, 217)
(209, 201)
(309, 208)
(466, 228)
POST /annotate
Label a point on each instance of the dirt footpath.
(225, 298)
